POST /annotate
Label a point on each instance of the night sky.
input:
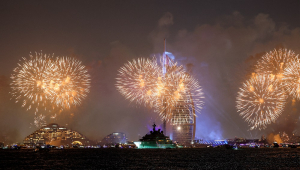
(221, 39)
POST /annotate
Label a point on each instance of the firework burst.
(70, 84)
(138, 79)
(49, 84)
(274, 63)
(260, 101)
(178, 96)
(29, 81)
(45, 82)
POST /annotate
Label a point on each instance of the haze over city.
(218, 41)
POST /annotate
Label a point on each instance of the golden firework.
(138, 79)
(30, 81)
(292, 78)
(260, 101)
(274, 62)
(179, 98)
(70, 84)
(50, 84)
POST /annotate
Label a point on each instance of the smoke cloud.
(274, 138)
(223, 55)
(161, 32)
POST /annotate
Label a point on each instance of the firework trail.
(138, 79)
(260, 101)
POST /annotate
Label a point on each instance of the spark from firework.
(169, 87)
(29, 81)
(178, 96)
(292, 78)
(274, 63)
(39, 121)
(260, 101)
(284, 137)
(70, 84)
(137, 81)
(175, 95)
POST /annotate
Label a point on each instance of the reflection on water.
(203, 158)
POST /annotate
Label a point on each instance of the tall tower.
(183, 121)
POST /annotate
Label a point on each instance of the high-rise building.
(183, 121)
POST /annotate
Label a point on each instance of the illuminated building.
(114, 138)
(54, 134)
(183, 122)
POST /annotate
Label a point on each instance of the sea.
(184, 158)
